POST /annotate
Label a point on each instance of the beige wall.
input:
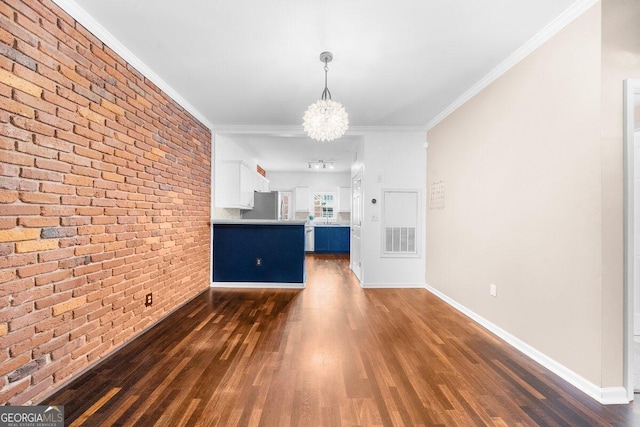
(521, 165)
(533, 178)
(620, 60)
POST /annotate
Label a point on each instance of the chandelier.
(325, 120)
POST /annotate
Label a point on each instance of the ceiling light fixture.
(325, 120)
(320, 164)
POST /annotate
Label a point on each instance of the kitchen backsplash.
(227, 213)
(343, 217)
(302, 216)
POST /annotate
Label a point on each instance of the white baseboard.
(606, 395)
(392, 286)
(258, 285)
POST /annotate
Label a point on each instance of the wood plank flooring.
(330, 355)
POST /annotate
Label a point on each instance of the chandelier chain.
(326, 93)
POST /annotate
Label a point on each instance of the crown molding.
(564, 19)
(298, 131)
(80, 15)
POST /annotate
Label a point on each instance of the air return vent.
(400, 215)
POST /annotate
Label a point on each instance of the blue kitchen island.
(258, 253)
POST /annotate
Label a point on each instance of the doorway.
(356, 225)
(632, 236)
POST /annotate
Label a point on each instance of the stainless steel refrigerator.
(265, 206)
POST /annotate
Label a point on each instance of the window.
(324, 205)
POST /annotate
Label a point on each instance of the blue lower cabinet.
(258, 253)
(331, 239)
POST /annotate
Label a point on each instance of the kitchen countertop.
(256, 222)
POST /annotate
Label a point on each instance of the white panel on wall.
(400, 219)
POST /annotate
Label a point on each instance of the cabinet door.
(345, 239)
(246, 186)
(331, 239)
(334, 239)
(321, 239)
(302, 199)
(345, 199)
(339, 240)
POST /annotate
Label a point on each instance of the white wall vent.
(400, 220)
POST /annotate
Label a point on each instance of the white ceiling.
(254, 63)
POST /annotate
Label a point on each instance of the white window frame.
(332, 205)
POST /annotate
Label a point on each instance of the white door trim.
(631, 90)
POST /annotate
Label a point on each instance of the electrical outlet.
(258, 262)
(493, 290)
(148, 300)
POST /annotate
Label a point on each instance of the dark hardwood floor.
(330, 355)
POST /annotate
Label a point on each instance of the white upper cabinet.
(236, 186)
(262, 183)
(344, 199)
(302, 199)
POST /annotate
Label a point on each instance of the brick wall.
(104, 197)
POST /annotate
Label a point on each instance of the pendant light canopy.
(326, 120)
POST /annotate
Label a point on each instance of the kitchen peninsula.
(258, 253)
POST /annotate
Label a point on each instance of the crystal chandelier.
(325, 120)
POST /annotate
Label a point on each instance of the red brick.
(74, 221)
(87, 152)
(9, 222)
(40, 198)
(9, 170)
(14, 389)
(69, 347)
(31, 295)
(18, 323)
(94, 116)
(53, 121)
(72, 75)
(89, 249)
(14, 363)
(74, 138)
(33, 270)
(53, 165)
(69, 284)
(52, 300)
(88, 134)
(26, 346)
(36, 150)
(41, 175)
(100, 104)
(38, 222)
(54, 277)
(32, 125)
(11, 131)
(15, 158)
(57, 211)
(55, 99)
(8, 196)
(77, 180)
(71, 117)
(86, 171)
(36, 102)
